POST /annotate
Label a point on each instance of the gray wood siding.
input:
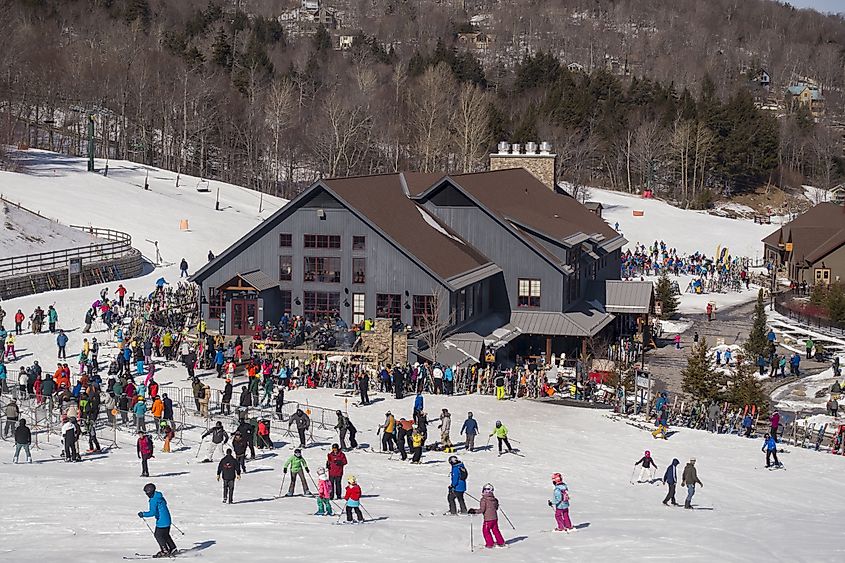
(387, 269)
(517, 259)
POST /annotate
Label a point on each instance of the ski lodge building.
(507, 262)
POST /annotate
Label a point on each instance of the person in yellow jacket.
(388, 439)
(167, 343)
(86, 346)
(501, 433)
(417, 442)
(201, 326)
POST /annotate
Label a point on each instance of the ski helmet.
(335, 446)
(647, 453)
(297, 452)
(352, 479)
(557, 478)
(321, 471)
(149, 489)
(487, 487)
(498, 423)
(453, 460)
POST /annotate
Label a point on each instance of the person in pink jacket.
(324, 494)
(489, 508)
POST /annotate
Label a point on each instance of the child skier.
(771, 449)
(353, 499)
(489, 507)
(324, 493)
(298, 467)
(560, 502)
(648, 463)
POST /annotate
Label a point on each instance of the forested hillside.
(631, 93)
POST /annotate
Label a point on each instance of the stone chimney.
(541, 164)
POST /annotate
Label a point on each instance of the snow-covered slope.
(687, 230)
(23, 232)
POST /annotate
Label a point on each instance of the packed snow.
(88, 511)
(25, 232)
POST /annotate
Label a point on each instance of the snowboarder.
(302, 424)
(159, 511)
(218, 438)
(335, 462)
(560, 502)
(23, 438)
(648, 468)
(770, 446)
(144, 449)
(324, 494)
(489, 507)
(229, 469)
(353, 499)
(297, 466)
(457, 486)
(690, 480)
(470, 428)
(671, 478)
(501, 433)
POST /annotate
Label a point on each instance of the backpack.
(566, 495)
(201, 393)
(463, 473)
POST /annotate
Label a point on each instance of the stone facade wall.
(378, 341)
(541, 166)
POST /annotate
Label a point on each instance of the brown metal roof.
(382, 200)
(516, 194)
(813, 234)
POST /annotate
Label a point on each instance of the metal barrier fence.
(812, 321)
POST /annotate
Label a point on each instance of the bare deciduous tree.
(431, 109)
(433, 324)
(471, 125)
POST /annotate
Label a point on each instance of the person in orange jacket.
(157, 410)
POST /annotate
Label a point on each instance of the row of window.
(359, 242)
(322, 269)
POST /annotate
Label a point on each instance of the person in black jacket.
(23, 437)
(671, 478)
(280, 402)
(239, 445)
(648, 463)
(247, 431)
(246, 398)
(364, 388)
(226, 401)
(168, 407)
(229, 469)
(218, 438)
(398, 382)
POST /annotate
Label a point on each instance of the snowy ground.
(696, 303)
(23, 232)
(56, 511)
(680, 228)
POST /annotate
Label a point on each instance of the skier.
(12, 414)
(335, 462)
(417, 440)
(363, 388)
(775, 420)
(229, 469)
(353, 499)
(445, 426)
(388, 440)
(144, 449)
(61, 342)
(648, 463)
(297, 465)
(183, 268)
(671, 478)
(470, 427)
(560, 502)
(341, 428)
(748, 424)
(23, 438)
(70, 436)
(226, 401)
(457, 486)
(771, 449)
(489, 507)
(501, 433)
(324, 493)
(159, 511)
(689, 480)
(302, 424)
(218, 438)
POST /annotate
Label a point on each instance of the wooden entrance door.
(243, 316)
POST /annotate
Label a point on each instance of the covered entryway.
(241, 302)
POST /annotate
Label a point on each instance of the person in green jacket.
(809, 346)
(501, 433)
(298, 466)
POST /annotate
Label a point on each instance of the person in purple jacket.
(489, 507)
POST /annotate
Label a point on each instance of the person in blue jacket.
(471, 428)
(671, 478)
(218, 361)
(771, 449)
(458, 485)
(159, 511)
(61, 342)
(418, 403)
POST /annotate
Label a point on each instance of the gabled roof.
(814, 234)
(617, 296)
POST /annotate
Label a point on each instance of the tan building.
(811, 248)
(808, 95)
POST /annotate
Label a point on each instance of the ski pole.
(148, 527)
(631, 480)
(284, 476)
(370, 516)
(199, 448)
(471, 540)
(177, 527)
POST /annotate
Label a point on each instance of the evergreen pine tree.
(701, 380)
(757, 344)
(745, 389)
(664, 293)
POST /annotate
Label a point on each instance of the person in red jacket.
(19, 318)
(335, 462)
(121, 291)
(145, 451)
(353, 499)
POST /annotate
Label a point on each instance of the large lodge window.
(216, 305)
(322, 269)
(285, 240)
(528, 293)
(388, 305)
(286, 301)
(359, 242)
(320, 305)
(359, 270)
(423, 311)
(285, 268)
(322, 241)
